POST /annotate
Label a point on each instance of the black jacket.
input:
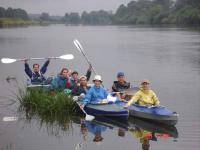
(117, 87)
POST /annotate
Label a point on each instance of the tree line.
(13, 13)
(184, 12)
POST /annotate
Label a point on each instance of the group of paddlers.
(78, 86)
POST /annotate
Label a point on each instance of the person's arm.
(27, 69)
(134, 99)
(54, 83)
(44, 67)
(87, 97)
(105, 93)
(155, 99)
(114, 88)
(89, 72)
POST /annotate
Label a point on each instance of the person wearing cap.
(120, 85)
(96, 93)
(82, 88)
(145, 96)
(75, 80)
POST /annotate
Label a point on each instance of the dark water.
(168, 57)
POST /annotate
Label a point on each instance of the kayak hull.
(107, 110)
(156, 114)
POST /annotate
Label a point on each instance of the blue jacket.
(95, 128)
(37, 77)
(95, 95)
(59, 82)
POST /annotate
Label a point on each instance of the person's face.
(83, 81)
(75, 76)
(65, 73)
(145, 86)
(36, 68)
(121, 79)
(97, 83)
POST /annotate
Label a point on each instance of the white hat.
(97, 77)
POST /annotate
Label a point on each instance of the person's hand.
(82, 106)
(25, 60)
(126, 106)
(90, 67)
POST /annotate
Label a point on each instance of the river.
(168, 56)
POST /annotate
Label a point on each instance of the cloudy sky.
(60, 7)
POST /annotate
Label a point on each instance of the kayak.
(106, 110)
(156, 113)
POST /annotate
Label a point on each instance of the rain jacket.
(37, 77)
(144, 98)
(95, 95)
(59, 83)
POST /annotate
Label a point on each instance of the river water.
(168, 57)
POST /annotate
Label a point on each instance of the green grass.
(11, 22)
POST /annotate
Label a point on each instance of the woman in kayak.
(62, 81)
(96, 93)
(145, 96)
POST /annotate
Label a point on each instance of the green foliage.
(9, 22)
(159, 12)
(47, 102)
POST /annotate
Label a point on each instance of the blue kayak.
(106, 110)
(156, 113)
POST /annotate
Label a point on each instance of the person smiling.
(145, 96)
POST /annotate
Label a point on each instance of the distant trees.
(158, 12)
(13, 13)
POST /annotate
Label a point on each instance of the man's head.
(36, 67)
(121, 77)
(75, 75)
(98, 137)
(83, 81)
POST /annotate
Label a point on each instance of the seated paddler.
(145, 96)
(96, 94)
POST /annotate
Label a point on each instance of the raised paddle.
(11, 60)
(81, 50)
(87, 117)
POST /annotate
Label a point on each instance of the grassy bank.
(8, 22)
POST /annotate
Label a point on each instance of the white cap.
(98, 77)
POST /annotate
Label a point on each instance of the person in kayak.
(145, 96)
(120, 85)
(82, 88)
(75, 80)
(96, 94)
(61, 81)
(37, 75)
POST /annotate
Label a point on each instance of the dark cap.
(120, 74)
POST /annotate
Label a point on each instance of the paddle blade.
(89, 118)
(77, 46)
(8, 60)
(7, 119)
(67, 57)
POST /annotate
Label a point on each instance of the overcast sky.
(60, 7)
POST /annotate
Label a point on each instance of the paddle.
(81, 50)
(129, 91)
(11, 60)
(87, 117)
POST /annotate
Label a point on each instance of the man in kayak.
(120, 85)
(96, 94)
(37, 75)
(75, 80)
(61, 81)
(82, 88)
(145, 96)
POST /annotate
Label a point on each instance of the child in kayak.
(96, 94)
(37, 75)
(145, 96)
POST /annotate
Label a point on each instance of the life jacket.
(37, 78)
